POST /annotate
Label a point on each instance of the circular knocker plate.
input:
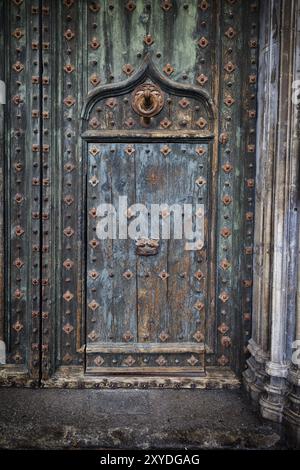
(148, 100)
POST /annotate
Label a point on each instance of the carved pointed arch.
(109, 110)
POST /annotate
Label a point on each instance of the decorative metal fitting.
(202, 79)
(111, 103)
(94, 243)
(94, 7)
(252, 113)
(229, 101)
(147, 100)
(128, 336)
(168, 69)
(98, 361)
(95, 79)
(200, 181)
(230, 67)
(69, 101)
(223, 360)
(199, 336)
(164, 275)
(18, 327)
(19, 231)
(225, 264)
(93, 305)
(93, 335)
(201, 123)
(250, 183)
(230, 33)
(94, 150)
(18, 263)
(227, 200)
(69, 34)
(69, 68)
(224, 297)
(253, 43)
(203, 42)
(201, 151)
(129, 150)
(161, 361)
(227, 167)
(199, 306)
(199, 275)
(94, 274)
(94, 43)
(184, 103)
(68, 199)
(192, 360)
(94, 181)
(163, 336)
(128, 275)
(94, 123)
(18, 33)
(68, 3)
(68, 328)
(18, 67)
(128, 69)
(225, 232)
(203, 5)
(129, 361)
(68, 264)
(68, 231)
(165, 123)
(165, 150)
(130, 6)
(68, 296)
(148, 39)
(223, 328)
(93, 212)
(166, 5)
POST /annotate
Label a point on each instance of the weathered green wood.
(57, 226)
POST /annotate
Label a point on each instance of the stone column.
(277, 204)
(268, 76)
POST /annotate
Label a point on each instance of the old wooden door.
(154, 101)
(147, 298)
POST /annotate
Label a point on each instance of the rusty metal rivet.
(94, 43)
(203, 42)
(69, 34)
(130, 5)
(230, 32)
(94, 7)
(148, 39)
(166, 5)
(203, 5)
(202, 79)
(168, 69)
(201, 123)
(128, 69)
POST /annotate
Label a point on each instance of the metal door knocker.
(147, 101)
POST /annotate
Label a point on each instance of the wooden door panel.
(72, 70)
(145, 306)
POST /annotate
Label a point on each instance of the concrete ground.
(131, 419)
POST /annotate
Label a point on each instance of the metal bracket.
(2, 92)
